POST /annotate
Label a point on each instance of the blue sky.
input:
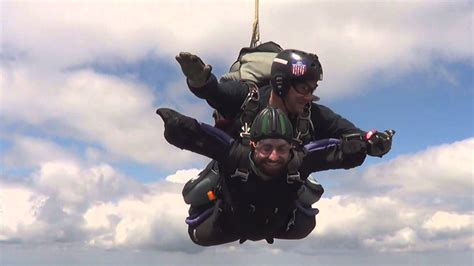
(86, 172)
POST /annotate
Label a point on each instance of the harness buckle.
(249, 109)
(306, 112)
(298, 139)
(253, 97)
(291, 178)
(244, 175)
(304, 125)
(245, 131)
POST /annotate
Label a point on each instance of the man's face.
(299, 95)
(272, 155)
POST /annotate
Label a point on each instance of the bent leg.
(301, 227)
(210, 232)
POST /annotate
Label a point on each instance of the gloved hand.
(194, 69)
(379, 143)
(167, 114)
(179, 129)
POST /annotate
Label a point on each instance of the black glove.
(354, 152)
(187, 133)
(179, 129)
(380, 143)
(194, 69)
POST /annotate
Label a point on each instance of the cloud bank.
(68, 201)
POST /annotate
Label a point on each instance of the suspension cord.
(256, 28)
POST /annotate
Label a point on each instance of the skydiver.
(257, 196)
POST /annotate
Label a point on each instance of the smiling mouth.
(272, 164)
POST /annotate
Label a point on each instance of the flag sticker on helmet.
(281, 61)
(298, 68)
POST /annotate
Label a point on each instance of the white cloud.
(116, 114)
(154, 219)
(388, 224)
(19, 210)
(415, 202)
(68, 201)
(355, 40)
(29, 151)
(73, 184)
(182, 176)
(445, 221)
(441, 172)
(404, 239)
(92, 32)
(353, 221)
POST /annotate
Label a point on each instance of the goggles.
(267, 149)
(304, 88)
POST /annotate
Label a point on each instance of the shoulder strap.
(238, 162)
(294, 165)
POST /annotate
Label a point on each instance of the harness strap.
(304, 126)
(238, 159)
(249, 109)
(294, 164)
(291, 222)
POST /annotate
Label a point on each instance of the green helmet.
(271, 123)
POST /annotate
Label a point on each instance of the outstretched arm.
(225, 97)
(346, 153)
(187, 133)
(332, 154)
(331, 125)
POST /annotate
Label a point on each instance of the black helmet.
(271, 123)
(294, 66)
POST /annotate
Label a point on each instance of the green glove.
(194, 69)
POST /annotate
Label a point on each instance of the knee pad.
(195, 190)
